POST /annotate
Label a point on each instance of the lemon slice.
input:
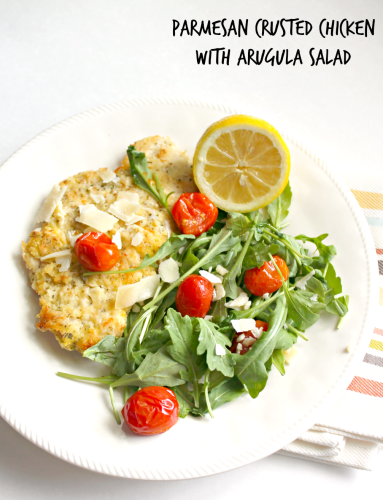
(241, 163)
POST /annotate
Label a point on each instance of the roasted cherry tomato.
(96, 251)
(194, 213)
(194, 296)
(243, 341)
(266, 279)
(151, 410)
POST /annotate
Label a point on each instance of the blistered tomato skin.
(194, 296)
(152, 410)
(194, 213)
(266, 279)
(248, 340)
(96, 251)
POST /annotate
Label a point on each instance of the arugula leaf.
(314, 305)
(106, 351)
(278, 209)
(258, 254)
(250, 367)
(285, 339)
(208, 339)
(188, 261)
(333, 281)
(153, 341)
(229, 390)
(229, 280)
(301, 310)
(284, 253)
(162, 308)
(238, 223)
(156, 369)
(278, 360)
(226, 260)
(145, 178)
(216, 247)
(335, 306)
(122, 365)
(326, 252)
(185, 400)
(315, 286)
(184, 336)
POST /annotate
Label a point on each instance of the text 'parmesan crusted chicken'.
(80, 310)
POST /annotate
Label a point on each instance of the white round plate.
(73, 420)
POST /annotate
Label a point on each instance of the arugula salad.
(235, 331)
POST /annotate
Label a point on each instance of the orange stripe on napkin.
(366, 386)
(366, 199)
(376, 344)
(378, 331)
(379, 251)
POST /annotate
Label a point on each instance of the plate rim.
(296, 429)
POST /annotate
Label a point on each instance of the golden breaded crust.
(80, 310)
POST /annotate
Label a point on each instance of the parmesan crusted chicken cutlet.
(81, 310)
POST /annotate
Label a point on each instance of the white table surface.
(58, 58)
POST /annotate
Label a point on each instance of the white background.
(58, 58)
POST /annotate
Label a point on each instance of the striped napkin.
(352, 432)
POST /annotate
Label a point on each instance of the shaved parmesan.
(291, 354)
(314, 298)
(301, 283)
(49, 205)
(117, 239)
(127, 195)
(124, 209)
(169, 270)
(107, 175)
(350, 348)
(247, 305)
(257, 332)
(137, 239)
(243, 325)
(219, 292)
(134, 219)
(211, 277)
(64, 263)
(97, 198)
(208, 317)
(61, 253)
(127, 295)
(168, 228)
(239, 301)
(219, 350)
(84, 208)
(221, 270)
(97, 219)
(60, 212)
(73, 237)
